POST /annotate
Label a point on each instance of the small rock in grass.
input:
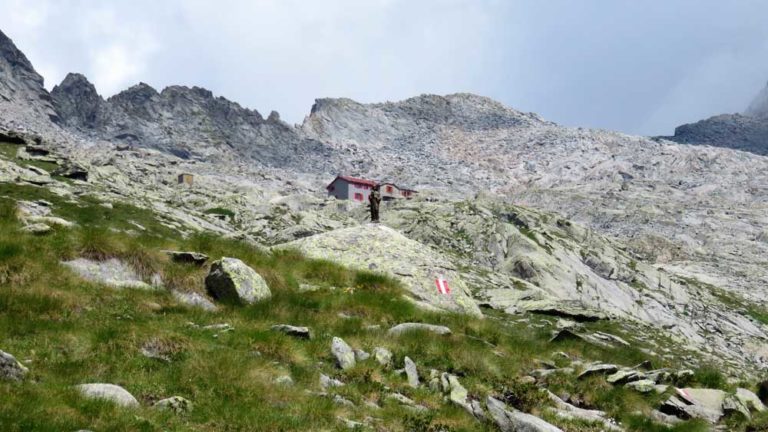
(345, 356)
(383, 356)
(406, 327)
(10, 368)
(290, 330)
(411, 372)
(177, 404)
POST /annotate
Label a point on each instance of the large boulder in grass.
(232, 281)
(110, 392)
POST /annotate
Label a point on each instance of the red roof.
(354, 180)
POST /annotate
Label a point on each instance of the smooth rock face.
(406, 327)
(10, 368)
(414, 265)
(411, 372)
(598, 368)
(290, 330)
(345, 356)
(231, 280)
(516, 421)
(109, 392)
(642, 386)
(750, 400)
(706, 404)
(111, 272)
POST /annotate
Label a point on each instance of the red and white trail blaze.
(442, 285)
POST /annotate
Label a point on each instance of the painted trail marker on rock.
(442, 285)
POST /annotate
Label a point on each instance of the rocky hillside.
(575, 257)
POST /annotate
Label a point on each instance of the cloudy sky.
(635, 66)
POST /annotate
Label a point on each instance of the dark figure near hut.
(374, 199)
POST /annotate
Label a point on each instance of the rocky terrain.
(591, 237)
(747, 131)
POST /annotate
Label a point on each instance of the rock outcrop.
(380, 249)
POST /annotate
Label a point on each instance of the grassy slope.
(68, 331)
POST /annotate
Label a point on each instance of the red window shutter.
(389, 189)
(358, 196)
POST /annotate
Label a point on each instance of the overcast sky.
(635, 66)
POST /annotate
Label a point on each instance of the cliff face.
(23, 99)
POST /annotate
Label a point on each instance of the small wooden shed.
(185, 178)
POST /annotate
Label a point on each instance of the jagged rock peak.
(15, 57)
(76, 101)
(759, 106)
(141, 90)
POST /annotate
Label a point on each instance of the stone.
(598, 368)
(10, 368)
(49, 220)
(232, 281)
(732, 404)
(411, 372)
(338, 400)
(109, 392)
(195, 300)
(284, 380)
(624, 376)
(177, 404)
(111, 272)
(406, 327)
(196, 258)
(383, 356)
(511, 420)
(343, 353)
(361, 355)
(565, 410)
(749, 399)
(350, 424)
(642, 386)
(327, 382)
(291, 330)
(706, 404)
(36, 228)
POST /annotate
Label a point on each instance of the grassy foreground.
(68, 331)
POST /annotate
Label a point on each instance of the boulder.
(109, 392)
(750, 400)
(411, 372)
(194, 299)
(290, 330)
(361, 355)
(412, 263)
(383, 356)
(343, 353)
(406, 327)
(706, 404)
(625, 376)
(232, 281)
(177, 404)
(10, 368)
(511, 420)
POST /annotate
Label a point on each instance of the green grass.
(69, 331)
